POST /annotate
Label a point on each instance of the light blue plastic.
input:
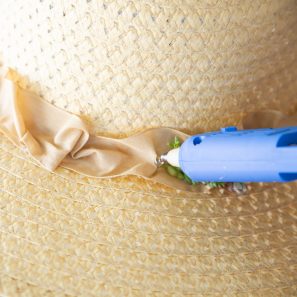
(260, 155)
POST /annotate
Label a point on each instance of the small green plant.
(177, 172)
(215, 184)
(175, 143)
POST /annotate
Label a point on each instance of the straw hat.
(124, 66)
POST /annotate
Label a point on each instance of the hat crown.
(138, 64)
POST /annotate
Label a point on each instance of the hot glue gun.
(231, 155)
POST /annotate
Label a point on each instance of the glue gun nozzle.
(172, 157)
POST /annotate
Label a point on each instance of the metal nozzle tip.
(161, 160)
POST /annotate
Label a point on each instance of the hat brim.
(63, 232)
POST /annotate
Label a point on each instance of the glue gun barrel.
(229, 155)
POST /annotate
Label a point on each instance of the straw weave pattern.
(128, 65)
(79, 238)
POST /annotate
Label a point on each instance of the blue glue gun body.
(231, 155)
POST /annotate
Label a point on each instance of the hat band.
(55, 138)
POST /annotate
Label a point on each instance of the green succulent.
(175, 143)
(215, 184)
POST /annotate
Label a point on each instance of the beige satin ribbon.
(55, 138)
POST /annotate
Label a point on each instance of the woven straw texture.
(125, 66)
